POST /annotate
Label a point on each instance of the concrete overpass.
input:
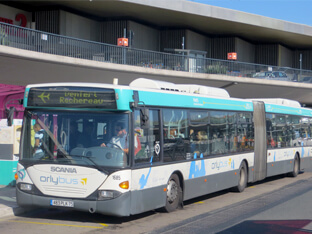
(26, 67)
(202, 18)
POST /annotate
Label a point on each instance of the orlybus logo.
(21, 174)
(83, 181)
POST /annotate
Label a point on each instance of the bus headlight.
(108, 194)
(25, 187)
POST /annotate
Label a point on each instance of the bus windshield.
(78, 138)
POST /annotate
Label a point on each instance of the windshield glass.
(80, 138)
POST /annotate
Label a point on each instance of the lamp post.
(300, 66)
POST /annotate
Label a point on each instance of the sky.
(296, 11)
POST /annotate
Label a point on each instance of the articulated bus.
(123, 150)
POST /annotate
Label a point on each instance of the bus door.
(260, 166)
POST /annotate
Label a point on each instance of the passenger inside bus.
(39, 132)
(202, 142)
(120, 138)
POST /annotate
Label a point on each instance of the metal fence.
(29, 39)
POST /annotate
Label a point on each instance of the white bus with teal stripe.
(178, 142)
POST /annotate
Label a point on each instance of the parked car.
(307, 79)
(272, 75)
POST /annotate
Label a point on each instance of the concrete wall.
(306, 59)
(196, 41)
(171, 39)
(111, 30)
(245, 51)
(221, 46)
(285, 57)
(267, 54)
(80, 27)
(144, 37)
(10, 13)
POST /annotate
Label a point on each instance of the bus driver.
(120, 139)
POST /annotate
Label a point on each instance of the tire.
(243, 178)
(296, 168)
(174, 193)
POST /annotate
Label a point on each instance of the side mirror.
(144, 116)
(10, 117)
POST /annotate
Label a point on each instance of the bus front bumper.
(119, 206)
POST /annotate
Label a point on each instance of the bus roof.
(187, 88)
(162, 93)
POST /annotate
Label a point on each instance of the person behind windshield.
(120, 139)
(39, 133)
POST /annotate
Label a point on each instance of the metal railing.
(29, 39)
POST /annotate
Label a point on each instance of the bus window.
(269, 128)
(147, 140)
(218, 132)
(279, 130)
(245, 132)
(175, 134)
(305, 131)
(199, 134)
(77, 138)
(231, 135)
(293, 131)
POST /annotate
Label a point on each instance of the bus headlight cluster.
(108, 194)
(25, 187)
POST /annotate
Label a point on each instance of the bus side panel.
(278, 168)
(210, 184)
(280, 161)
(198, 177)
(147, 188)
(308, 162)
(220, 173)
(306, 158)
(148, 199)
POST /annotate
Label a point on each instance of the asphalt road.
(278, 203)
(286, 210)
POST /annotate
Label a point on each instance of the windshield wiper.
(94, 163)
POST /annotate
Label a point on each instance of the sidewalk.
(8, 205)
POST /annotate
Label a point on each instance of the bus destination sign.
(80, 97)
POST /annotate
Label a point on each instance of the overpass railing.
(34, 40)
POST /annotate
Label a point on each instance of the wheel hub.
(172, 191)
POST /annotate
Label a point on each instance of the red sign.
(5, 20)
(122, 41)
(232, 56)
(19, 17)
(22, 18)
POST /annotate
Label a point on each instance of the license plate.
(62, 203)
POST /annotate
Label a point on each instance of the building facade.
(167, 25)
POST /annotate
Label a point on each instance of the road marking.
(200, 202)
(103, 224)
(55, 224)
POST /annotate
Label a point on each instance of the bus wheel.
(296, 168)
(242, 182)
(173, 193)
